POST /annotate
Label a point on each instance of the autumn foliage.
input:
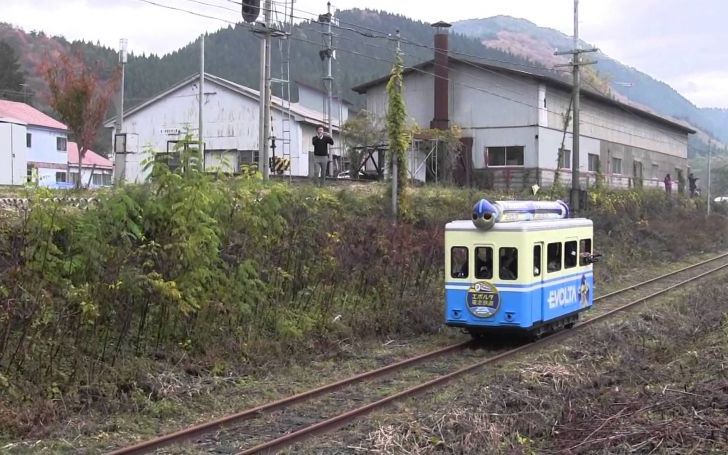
(81, 95)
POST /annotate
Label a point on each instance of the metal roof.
(29, 115)
(521, 226)
(547, 77)
(304, 114)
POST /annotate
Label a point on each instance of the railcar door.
(538, 295)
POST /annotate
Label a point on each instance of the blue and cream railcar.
(518, 265)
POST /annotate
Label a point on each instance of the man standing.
(693, 183)
(321, 144)
(668, 184)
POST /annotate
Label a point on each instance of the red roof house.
(90, 159)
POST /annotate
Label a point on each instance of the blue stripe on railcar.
(486, 304)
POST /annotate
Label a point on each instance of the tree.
(12, 79)
(397, 130)
(81, 96)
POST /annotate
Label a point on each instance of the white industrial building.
(230, 127)
(513, 120)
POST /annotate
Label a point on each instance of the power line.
(186, 11)
(391, 62)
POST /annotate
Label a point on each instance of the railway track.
(256, 428)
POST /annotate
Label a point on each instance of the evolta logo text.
(562, 297)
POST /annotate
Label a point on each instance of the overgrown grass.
(213, 274)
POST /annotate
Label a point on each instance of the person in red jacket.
(321, 144)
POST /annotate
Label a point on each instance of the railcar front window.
(570, 258)
(554, 257)
(508, 268)
(459, 262)
(484, 262)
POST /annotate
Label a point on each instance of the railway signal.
(251, 10)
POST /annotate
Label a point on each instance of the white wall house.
(514, 124)
(46, 143)
(230, 129)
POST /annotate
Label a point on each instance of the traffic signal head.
(251, 10)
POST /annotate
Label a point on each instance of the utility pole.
(576, 64)
(119, 139)
(202, 94)
(265, 94)
(328, 78)
(710, 154)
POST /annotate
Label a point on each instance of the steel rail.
(191, 432)
(181, 435)
(661, 277)
(347, 417)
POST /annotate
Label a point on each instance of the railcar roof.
(521, 226)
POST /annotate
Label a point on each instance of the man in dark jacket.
(693, 182)
(321, 144)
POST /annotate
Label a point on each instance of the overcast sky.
(681, 42)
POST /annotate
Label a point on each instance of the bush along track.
(209, 277)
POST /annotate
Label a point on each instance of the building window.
(508, 265)
(593, 162)
(570, 258)
(459, 262)
(61, 144)
(247, 156)
(60, 177)
(106, 180)
(655, 171)
(29, 175)
(565, 159)
(74, 178)
(505, 156)
(28, 140)
(484, 262)
(616, 165)
(553, 253)
(97, 179)
(637, 169)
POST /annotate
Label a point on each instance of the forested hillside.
(363, 52)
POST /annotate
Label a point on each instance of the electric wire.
(414, 68)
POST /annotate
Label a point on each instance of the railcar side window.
(585, 249)
(570, 258)
(459, 262)
(537, 260)
(484, 262)
(553, 257)
(508, 268)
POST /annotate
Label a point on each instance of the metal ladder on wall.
(283, 163)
